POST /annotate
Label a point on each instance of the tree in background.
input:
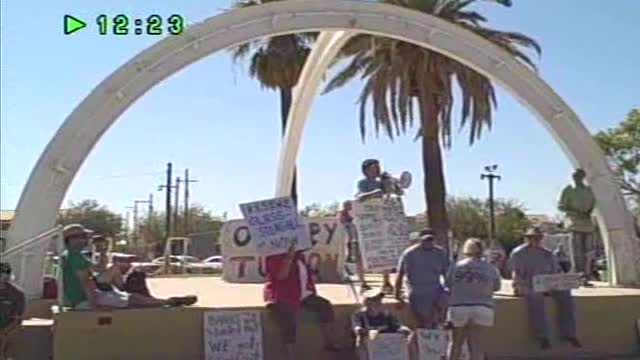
(151, 229)
(276, 63)
(90, 214)
(398, 76)
(319, 210)
(469, 217)
(621, 145)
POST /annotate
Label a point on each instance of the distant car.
(214, 261)
(177, 259)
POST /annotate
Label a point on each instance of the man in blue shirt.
(370, 187)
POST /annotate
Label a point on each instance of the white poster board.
(434, 344)
(561, 281)
(275, 223)
(387, 347)
(242, 263)
(383, 231)
(232, 335)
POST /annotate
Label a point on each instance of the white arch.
(63, 156)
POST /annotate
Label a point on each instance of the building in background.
(6, 217)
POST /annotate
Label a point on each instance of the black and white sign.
(387, 347)
(561, 281)
(383, 231)
(275, 224)
(232, 335)
(434, 344)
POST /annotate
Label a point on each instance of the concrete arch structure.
(63, 156)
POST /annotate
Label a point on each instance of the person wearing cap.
(80, 289)
(472, 282)
(371, 187)
(531, 259)
(289, 288)
(577, 203)
(424, 264)
(373, 316)
(12, 308)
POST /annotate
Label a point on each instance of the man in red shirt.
(289, 288)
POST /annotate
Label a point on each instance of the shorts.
(461, 316)
(112, 299)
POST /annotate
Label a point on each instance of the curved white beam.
(52, 175)
(323, 53)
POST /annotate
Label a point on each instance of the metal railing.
(27, 261)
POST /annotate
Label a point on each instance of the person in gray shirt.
(471, 283)
(531, 259)
(424, 264)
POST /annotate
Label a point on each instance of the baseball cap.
(75, 230)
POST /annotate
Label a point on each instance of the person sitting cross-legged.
(80, 289)
(373, 316)
(289, 287)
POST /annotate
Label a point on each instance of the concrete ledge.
(607, 327)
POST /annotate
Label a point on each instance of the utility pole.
(491, 176)
(167, 187)
(176, 206)
(187, 181)
(135, 214)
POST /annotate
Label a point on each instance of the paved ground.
(213, 292)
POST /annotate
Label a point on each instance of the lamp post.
(490, 175)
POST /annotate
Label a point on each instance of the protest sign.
(232, 335)
(562, 281)
(387, 347)
(383, 231)
(243, 264)
(275, 224)
(434, 344)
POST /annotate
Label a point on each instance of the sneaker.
(544, 343)
(573, 341)
(182, 301)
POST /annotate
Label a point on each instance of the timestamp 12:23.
(153, 25)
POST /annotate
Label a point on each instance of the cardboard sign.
(383, 231)
(232, 335)
(549, 282)
(434, 345)
(387, 347)
(274, 224)
(243, 264)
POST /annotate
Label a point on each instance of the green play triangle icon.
(71, 24)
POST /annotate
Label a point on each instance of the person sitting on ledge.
(531, 259)
(373, 316)
(80, 288)
(12, 308)
(289, 287)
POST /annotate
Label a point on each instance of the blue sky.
(216, 121)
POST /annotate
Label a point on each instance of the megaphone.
(393, 185)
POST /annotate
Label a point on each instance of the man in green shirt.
(79, 286)
(577, 203)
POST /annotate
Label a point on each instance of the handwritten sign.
(232, 335)
(383, 231)
(434, 344)
(387, 346)
(549, 282)
(243, 264)
(274, 224)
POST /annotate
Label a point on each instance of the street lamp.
(490, 175)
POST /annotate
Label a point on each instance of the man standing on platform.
(577, 203)
(531, 259)
(371, 187)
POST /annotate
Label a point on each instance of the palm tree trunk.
(286, 97)
(434, 185)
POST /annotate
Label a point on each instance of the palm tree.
(399, 75)
(276, 63)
